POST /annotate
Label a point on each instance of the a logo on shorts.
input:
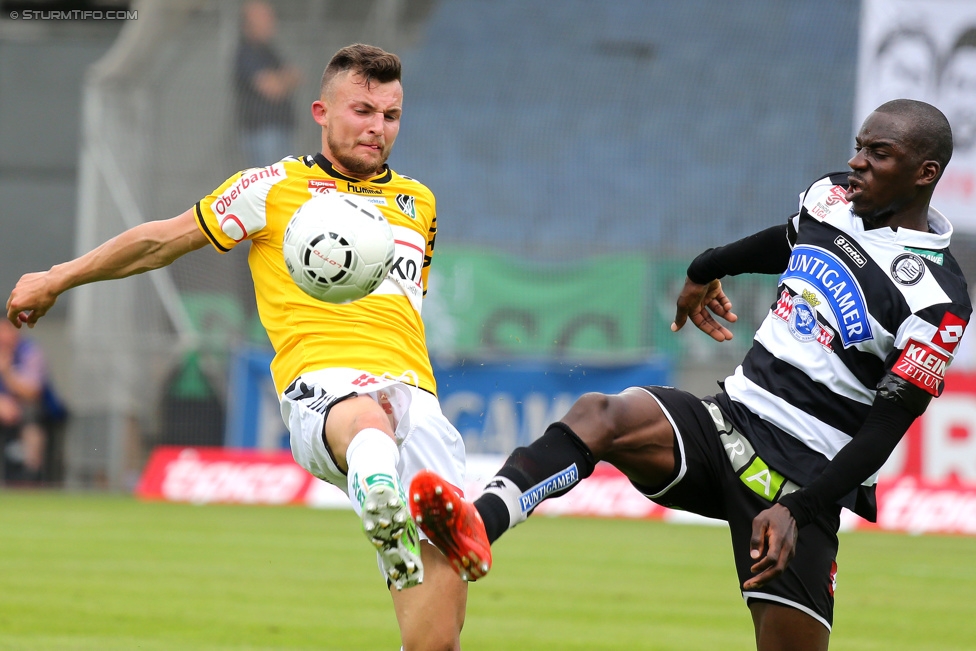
(365, 380)
(311, 396)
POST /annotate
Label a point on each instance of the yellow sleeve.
(237, 210)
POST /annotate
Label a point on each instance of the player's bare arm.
(699, 303)
(142, 248)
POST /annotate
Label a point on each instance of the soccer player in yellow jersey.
(355, 382)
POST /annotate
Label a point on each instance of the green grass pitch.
(109, 573)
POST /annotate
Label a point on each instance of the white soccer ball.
(338, 248)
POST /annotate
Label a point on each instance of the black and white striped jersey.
(852, 305)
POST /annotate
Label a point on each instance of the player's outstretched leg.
(388, 525)
(452, 524)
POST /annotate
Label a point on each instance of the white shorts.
(425, 437)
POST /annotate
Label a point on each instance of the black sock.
(559, 455)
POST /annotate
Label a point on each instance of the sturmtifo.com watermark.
(75, 14)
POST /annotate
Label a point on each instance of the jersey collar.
(327, 167)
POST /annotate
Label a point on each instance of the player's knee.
(359, 413)
(432, 638)
(372, 419)
(592, 419)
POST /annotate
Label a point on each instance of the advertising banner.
(219, 475)
(495, 405)
(480, 302)
(928, 484)
(926, 51)
(498, 406)
(485, 304)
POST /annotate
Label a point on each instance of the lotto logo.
(950, 332)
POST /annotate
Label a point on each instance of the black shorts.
(720, 476)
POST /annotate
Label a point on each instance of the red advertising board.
(205, 475)
(928, 485)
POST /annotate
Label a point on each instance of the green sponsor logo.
(762, 480)
(932, 256)
(494, 304)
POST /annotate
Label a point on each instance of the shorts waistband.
(755, 473)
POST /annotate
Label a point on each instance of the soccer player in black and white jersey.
(868, 312)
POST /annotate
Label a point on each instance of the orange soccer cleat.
(452, 524)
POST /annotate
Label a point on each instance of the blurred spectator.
(958, 91)
(23, 379)
(907, 66)
(265, 87)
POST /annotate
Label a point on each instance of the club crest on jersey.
(907, 268)
(407, 205)
(800, 316)
(833, 281)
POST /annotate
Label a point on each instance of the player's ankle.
(495, 514)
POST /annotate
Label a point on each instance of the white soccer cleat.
(388, 525)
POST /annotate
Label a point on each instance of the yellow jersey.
(381, 333)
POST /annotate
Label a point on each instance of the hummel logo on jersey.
(407, 205)
(361, 189)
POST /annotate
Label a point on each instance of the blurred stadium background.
(581, 153)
